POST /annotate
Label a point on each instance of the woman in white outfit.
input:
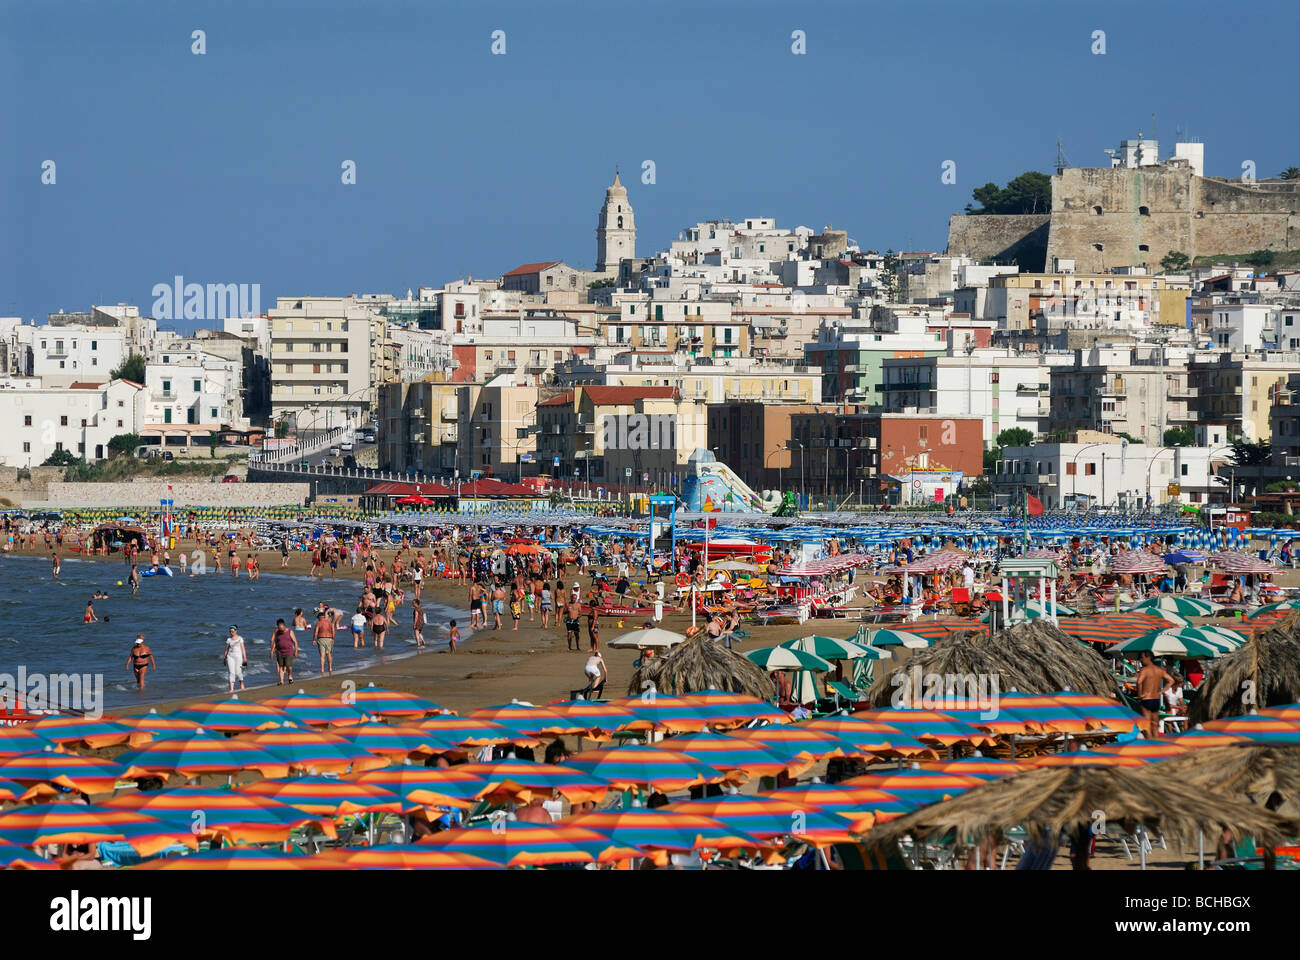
(236, 658)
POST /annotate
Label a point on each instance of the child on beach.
(417, 623)
(453, 636)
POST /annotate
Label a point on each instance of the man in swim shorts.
(323, 638)
(284, 647)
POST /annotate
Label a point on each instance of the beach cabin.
(1029, 582)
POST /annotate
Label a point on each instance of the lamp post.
(1074, 486)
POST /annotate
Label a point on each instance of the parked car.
(230, 478)
(346, 445)
(168, 455)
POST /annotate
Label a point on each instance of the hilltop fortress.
(1135, 212)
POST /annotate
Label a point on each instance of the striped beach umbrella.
(394, 743)
(854, 803)
(733, 755)
(725, 708)
(783, 658)
(92, 734)
(163, 726)
(981, 768)
(901, 638)
(235, 816)
(84, 774)
(1259, 728)
(523, 781)
(1284, 607)
(918, 786)
(473, 732)
(518, 843)
(799, 741)
(929, 726)
(656, 711)
(328, 796)
(379, 702)
(1196, 739)
(1106, 712)
(641, 767)
(1287, 711)
(1164, 643)
(426, 786)
(13, 857)
(313, 750)
(1259, 621)
(1138, 561)
(303, 708)
(1086, 758)
(1143, 749)
(765, 817)
(202, 754)
(235, 858)
(520, 717)
(1112, 627)
(403, 856)
(1042, 712)
(77, 823)
(1182, 606)
(935, 630)
(831, 648)
(878, 739)
(600, 718)
(19, 739)
(1232, 561)
(232, 715)
(11, 790)
(646, 829)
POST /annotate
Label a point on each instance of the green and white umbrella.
(1182, 606)
(1219, 637)
(1034, 608)
(1270, 607)
(1165, 643)
(830, 648)
(783, 658)
(897, 638)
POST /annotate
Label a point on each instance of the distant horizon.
(227, 166)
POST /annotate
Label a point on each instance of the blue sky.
(225, 168)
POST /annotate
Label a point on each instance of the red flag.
(1033, 506)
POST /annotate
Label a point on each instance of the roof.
(531, 268)
(559, 400)
(615, 395)
(84, 385)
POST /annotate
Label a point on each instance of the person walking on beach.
(417, 623)
(323, 639)
(498, 605)
(453, 637)
(593, 626)
(140, 660)
(133, 579)
(546, 604)
(1153, 681)
(358, 629)
(572, 621)
(284, 647)
(55, 559)
(284, 553)
(476, 618)
(236, 657)
(378, 626)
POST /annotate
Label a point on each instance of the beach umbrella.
(798, 741)
(1182, 606)
(935, 630)
(12, 790)
(163, 726)
(1137, 561)
(854, 803)
(406, 856)
(91, 733)
(1258, 728)
(765, 817)
(647, 637)
(725, 708)
(783, 658)
(1143, 749)
(1164, 643)
(78, 823)
(1112, 627)
(929, 726)
(83, 774)
(656, 711)
(520, 717)
(303, 708)
(234, 858)
(473, 732)
(204, 754)
(734, 755)
(830, 648)
(13, 857)
(1284, 606)
(1199, 739)
(601, 718)
(232, 715)
(647, 829)
(899, 638)
(236, 816)
(647, 768)
(1230, 561)
(1288, 711)
(523, 780)
(519, 843)
(328, 796)
(1085, 758)
(312, 750)
(1106, 712)
(878, 739)
(916, 785)
(392, 742)
(981, 768)
(19, 739)
(379, 702)
(426, 786)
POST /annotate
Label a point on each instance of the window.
(63, 421)
(1184, 470)
(27, 447)
(1089, 469)
(94, 344)
(119, 424)
(83, 421)
(1098, 246)
(1070, 469)
(167, 386)
(27, 420)
(923, 433)
(167, 415)
(1097, 210)
(1143, 247)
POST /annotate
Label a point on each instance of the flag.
(708, 502)
(1033, 506)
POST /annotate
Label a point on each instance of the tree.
(124, 443)
(281, 429)
(1175, 261)
(1247, 454)
(888, 275)
(1180, 437)
(131, 368)
(1261, 258)
(1031, 192)
(1128, 436)
(1290, 173)
(61, 458)
(1015, 437)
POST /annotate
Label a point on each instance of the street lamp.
(1074, 485)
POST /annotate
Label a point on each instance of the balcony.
(918, 385)
(1183, 393)
(449, 416)
(450, 435)
(1033, 413)
(1045, 479)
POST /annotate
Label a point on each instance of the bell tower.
(615, 229)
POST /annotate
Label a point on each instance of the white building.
(195, 389)
(61, 355)
(1247, 327)
(80, 418)
(419, 353)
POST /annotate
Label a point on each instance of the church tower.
(615, 230)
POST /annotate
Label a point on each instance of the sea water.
(184, 621)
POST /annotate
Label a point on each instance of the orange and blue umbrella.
(981, 768)
(20, 739)
(11, 790)
(313, 750)
(474, 732)
(1145, 749)
(723, 708)
(313, 711)
(1287, 711)
(92, 733)
(202, 754)
(1257, 728)
(163, 726)
(656, 711)
(379, 702)
(919, 786)
(237, 858)
(405, 856)
(77, 823)
(426, 786)
(796, 740)
(641, 767)
(523, 780)
(872, 736)
(601, 718)
(517, 843)
(842, 798)
(1085, 758)
(85, 774)
(1106, 712)
(1195, 739)
(929, 726)
(734, 755)
(233, 715)
(767, 816)
(393, 742)
(328, 796)
(232, 815)
(528, 719)
(13, 857)
(647, 829)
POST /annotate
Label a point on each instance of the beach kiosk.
(1029, 579)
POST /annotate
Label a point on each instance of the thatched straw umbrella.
(702, 663)
(1253, 771)
(1263, 672)
(1051, 800)
(1031, 657)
